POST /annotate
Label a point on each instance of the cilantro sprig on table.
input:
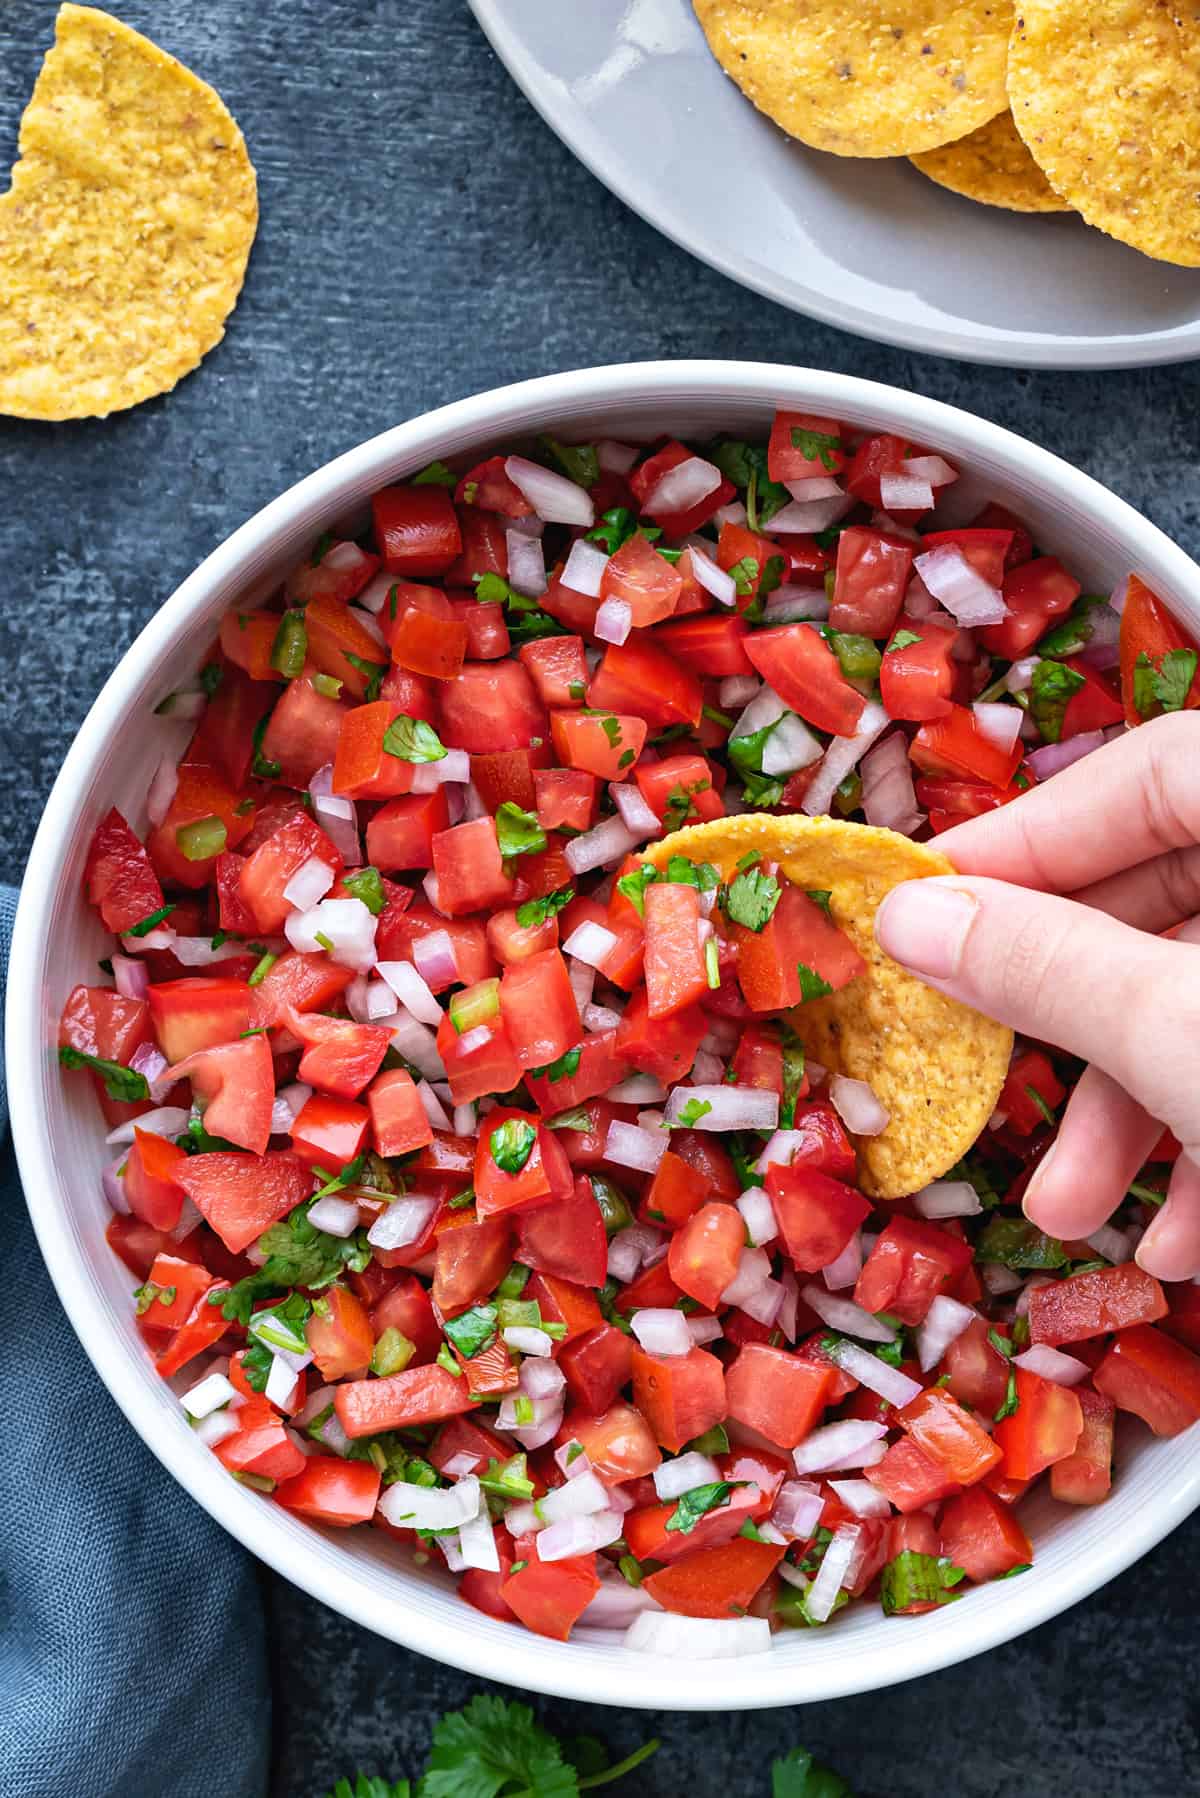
(495, 1748)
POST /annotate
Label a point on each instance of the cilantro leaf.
(412, 740)
(282, 1326)
(818, 446)
(366, 884)
(699, 1502)
(512, 1144)
(1012, 1403)
(681, 804)
(902, 640)
(297, 1254)
(373, 673)
(435, 475)
(793, 1075)
(564, 1068)
(634, 885)
(491, 1747)
(701, 875)
(518, 832)
(536, 911)
(1050, 689)
(821, 897)
(745, 575)
(367, 1785)
(1163, 684)
(693, 1110)
(121, 1083)
(913, 1578)
(761, 790)
(1075, 631)
(616, 527)
(751, 898)
(798, 1775)
(812, 985)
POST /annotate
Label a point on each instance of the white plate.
(872, 247)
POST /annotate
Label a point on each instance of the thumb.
(1061, 972)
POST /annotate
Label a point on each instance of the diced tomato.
(980, 1534)
(269, 869)
(296, 982)
(793, 435)
(947, 1432)
(909, 1478)
(703, 1256)
(150, 1182)
(817, 1215)
(401, 834)
(340, 1056)
(248, 640)
(198, 1012)
(976, 1373)
(473, 1256)
(1153, 1376)
(487, 632)
(665, 1047)
(488, 486)
(469, 869)
(916, 675)
(675, 966)
(680, 789)
(1085, 1476)
(599, 1069)
(489, 1067)
(235, 1083)
(797, 662)
(712, 645)
(776, 1393)
(603, 746)
(650, 1538)
(1031, 1088)
(1184, 1320)
(872, 573)
(1092, 1304)
(492, 705)
(823, 1145)
(399, 1122)
(121, 883)
(402, 1401)
(362, 767)
(241, 1195)
(798, 934)
(505, 775)
(539, 1009)
(565, 798)
(643, 580)
(549, 1597)
(717, 1582)
(562, 1302)
(1094, 706)
(1035, 593)
(640, 678)
(680, 1396)
(558, 669)
(332, 1491)
(329, 1133)
(224, 737)
(565, 1237)
(911, 1262)
(596, 1366)
(674, 1193)
(1148, 633)
(340, 1336)
(303, 731)
(646, 477)
(416, 530)
(434, 647)
(261, 1445)
(1044, 1428)
(956, 745)
(496, 1188)
(185, 1279)
(618, 1443)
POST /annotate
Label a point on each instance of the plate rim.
(1081, 354)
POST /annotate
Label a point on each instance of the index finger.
(1137, 797)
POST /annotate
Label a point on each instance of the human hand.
(1055, 931)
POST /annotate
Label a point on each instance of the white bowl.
(59, 1134)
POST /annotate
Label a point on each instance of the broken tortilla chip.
(935, 1065)
(1105, 92)
(860, 78)
(125, 234)
(992, 165)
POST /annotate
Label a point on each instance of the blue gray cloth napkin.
(132, 1658)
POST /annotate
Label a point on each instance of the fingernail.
(925, 924)
(1036, 1181)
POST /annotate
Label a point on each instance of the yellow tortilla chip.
(936, 1065)
(126, 231)
(863, 78)
(992, 165)
(1106, 93)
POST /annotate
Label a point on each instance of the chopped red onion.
(944, 1323)
(552, 496)
(862, 1498)
(857, 1106)
(905, 493)
(682, 487)
(637, 816)
(162, 790)
(662, 1332)
(616, 1604)
(1049, 1364)
(632, 1248)
(765, 1303)
(578, 1535)
(601, 847)
(733, 513)
(815, 486)
(168, 1120)
(842, 754)
(416, 1043)
(888, 795)
(131, 976)
(754, 1267)
(797, 1511)
(737, 689)
(338, 817)
(151, 1063)
(629, 1146)
(795, 604)
(405, 1220)
(113, 1187)
(599, 1017)
(311, 881)
(434, 964)
(948, 1198)
(713, 579)
(616, 458)
(431, 1507)
(590, 942)
(434, 1110)
(1000, 723)
(790, 746)
(674, 1638)
(707, 1070)
(844, 1314)
(673, 1478)
(1108, 1241)
(1052, 758)
(845, 1268)
(1102, 649)
(583, 980)
(789, 1311)
(729, 1108)
(289, 1103)
(614, 621)
(705, 1329)
(464, 1120)
(807, 515)
(779, 1150)
(934, 469)
(637, 1089)
(835, 1445)
(950, 578)
(889, 1382)
(758, 1214)
(571, 1464)
(526, 564)
(999, 1280)
(337, 1217)
(346, 923)
(833, 1571)
(584, 568)
(197, 951)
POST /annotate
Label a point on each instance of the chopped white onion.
(405, 1220)
(674, 1638)
(214, 1428)
(948, 1198)
(905, 493)
(845, 1268)
(713, 579)
(729, 1108)
(590, 942)
(705, 1329)
(552, 496)
(451, 770)
(765, 708)
(673, 1478)
(889, 1382)
(765, 1303)
(132, 976)
(754, 1267)
(162, 790)
(1108, 1241)
(281, 1382)
(580, 1497)
(844, 1314)
(934, 469)
(737, 689)
(411, 988)
(338, 817)
(616, 458)
(758, 1214)
(541, 1380)
(436, 963)
(637, 816)
(630, 1146)
(213, 1391)
(477, 1543)
(197, 951)
(346, 923)
(796, 604)
(602, 846)
(597, 1018)
(797, 1512)
(834, 1568)
(682, 487)
(526, 564)
(167, 1120)
(527, 1340)
(337, 1217)
(860, 1496)
(842, 754)
(584, 568)
(434, 1110)
(613, 621)
(662, 1332)
(637, 1089)
(856, 1105)
(1049, 1364)
(837, 1445)
(1000, 724)
(806, 515)
(431, 1507)
(943, 1323)
(888, 796)
(790, 746)
(311, 881)
(578, 1535)
(416, 1043)
(999, 1280)
(966, 595)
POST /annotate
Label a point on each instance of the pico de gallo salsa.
(469, 1168)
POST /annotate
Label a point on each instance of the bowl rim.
(762, 1680)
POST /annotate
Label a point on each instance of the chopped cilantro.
(1035, 1098)
(412, 740)
(699, 1502)
(1163, 685)
(1015, 1242)
(1051, 687)
(121, 1083)
(903, 639)
(750, 899)
(812, 985)
(913, 1578)
(616, 526)
(366, 884)
(577, 460)
(691, 1113)
(1011, 1401)
(145, 925)
(681, 804)
(1075, 631)
(563, 1069)
(818, 446)
(435, 475)
(536, 911)
(518, 832)
(820, 897)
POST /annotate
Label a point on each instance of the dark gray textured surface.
(424, 236)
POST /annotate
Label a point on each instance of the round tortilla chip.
(125, 234)
(994, 166)
(935, 1064)
(861, 78)
(1106, 93)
